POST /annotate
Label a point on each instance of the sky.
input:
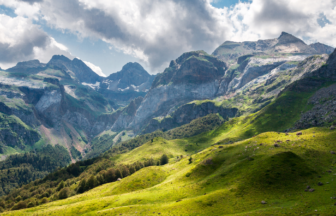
(108, 34)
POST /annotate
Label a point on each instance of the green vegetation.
(21, 169)
(231, 179)
(101, 144)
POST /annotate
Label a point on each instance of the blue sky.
(108, 34)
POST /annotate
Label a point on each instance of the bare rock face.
(193, 76)
(127, 116)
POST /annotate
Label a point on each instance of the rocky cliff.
(193, 76)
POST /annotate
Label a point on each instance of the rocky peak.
(27, 66)
(131, 74)
(286, 38)
(30, 64)
(285, 43)
(322, 48)
(61, 58)
(76, 68)
(191, 67)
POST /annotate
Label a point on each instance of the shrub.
(44, 200)
(2, 204)
(110, 175)
(164, 159)
(30, 205)
(64, 193)
(18, 198)
(20, 205)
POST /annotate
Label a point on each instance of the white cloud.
(157, 31)
(268, 18)
(95, 69)
(25, 8)
(21, 40)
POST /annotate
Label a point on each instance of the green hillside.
(222, 179)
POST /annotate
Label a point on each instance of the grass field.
(228, 179)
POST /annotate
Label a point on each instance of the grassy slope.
(231, 184)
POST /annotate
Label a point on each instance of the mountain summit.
(285, 43)
(76, 68)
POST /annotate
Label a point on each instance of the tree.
(91, 182)
(132, 169)
(164, 159)
(119, 174)
(110, 175)
(190, 160)
(64, 193)
(125, 172)
(60, 186)
(81, 186)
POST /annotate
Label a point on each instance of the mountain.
(277, 85)
(322, 48)
(124, 86)
(254, 164)
(229, 51)
(194, 75)
(260, 70)
(76, 68)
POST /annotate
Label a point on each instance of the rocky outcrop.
(127, 116)
(186, 113)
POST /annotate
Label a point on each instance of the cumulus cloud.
(95, 68)
(21, 40)
(153, 31)
(157, 31)
(268, 18)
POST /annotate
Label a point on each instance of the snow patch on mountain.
(95, 68)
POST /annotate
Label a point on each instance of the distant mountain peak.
(322, 48)
(29, 64)
(286, 38)
(61, 58)
(134, 65)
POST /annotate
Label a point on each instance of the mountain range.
(231, 97)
